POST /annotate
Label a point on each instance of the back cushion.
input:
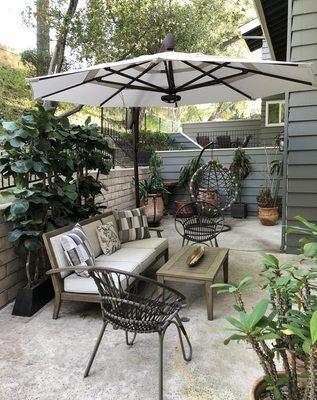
(132, 225)
(59, 253)
(110, 218)
(90, 231)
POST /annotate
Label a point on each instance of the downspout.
(286, 141)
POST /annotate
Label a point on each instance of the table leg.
(209, 301)
(226, 269)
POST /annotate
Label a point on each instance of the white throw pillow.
(108, 238)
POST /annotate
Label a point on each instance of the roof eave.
(261, 16)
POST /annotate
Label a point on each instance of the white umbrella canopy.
(173, 78)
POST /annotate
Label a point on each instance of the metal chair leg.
(181, 330)
(161, 341)
(92, 357)
(216, 242)
(183, 242)
(131, 342)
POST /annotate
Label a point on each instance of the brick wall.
(12, 273)
(120, 195)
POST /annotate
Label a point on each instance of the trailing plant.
(286, 331)
(154, 184)
(187, 171)
(60, 157)
(240, 168)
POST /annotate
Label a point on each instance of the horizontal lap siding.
(174, 160)
(302, 123)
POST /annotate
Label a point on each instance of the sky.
(12, 31)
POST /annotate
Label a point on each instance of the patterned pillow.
(108, 238)
(132, 225)
(77, 249)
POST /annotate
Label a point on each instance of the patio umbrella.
(171, 78)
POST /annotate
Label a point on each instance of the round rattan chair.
(137, 304)
(200, 223)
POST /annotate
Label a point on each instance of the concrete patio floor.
(41, 358)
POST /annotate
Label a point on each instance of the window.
(275, 113)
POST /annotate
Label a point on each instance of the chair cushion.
(77, 248)
(78, 284)
(132, 225)
(108, 238)
(111, 218)
(154, 243)
(61, 260)
(142, 257)
(90, 230)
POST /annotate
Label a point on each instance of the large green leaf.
(258, 312)
(10, 126)
(15, 235)
(38, 166)
(17, 142)
(33, 244)
(310, 249)
(235, 323)
(22, 166)
(20, 133)
(38, 200)
(19, 207)
(313, 327)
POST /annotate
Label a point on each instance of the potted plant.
(186, 174)
(268, 199)
(152, 190)
(240, 168)
(59, 157)
(283, 335)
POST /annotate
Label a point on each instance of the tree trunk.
(42, 36)
(59, 52)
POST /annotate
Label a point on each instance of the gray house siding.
(302, 121)
(173, 161)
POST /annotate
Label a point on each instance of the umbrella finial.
(168, 43)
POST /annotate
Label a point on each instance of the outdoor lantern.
(279, 140)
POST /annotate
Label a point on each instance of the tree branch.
(72, 111)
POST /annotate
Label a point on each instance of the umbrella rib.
(126, 86)
(84, 82)
(285, 78)
(209, 83)
(138, 80)
(120, 84)
(201, 76)
(220, 80)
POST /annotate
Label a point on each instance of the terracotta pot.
(209, 196)
(154, 208)
(186, 211)
(258, 387)
(268, 216)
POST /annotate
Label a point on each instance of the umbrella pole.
(136, 131)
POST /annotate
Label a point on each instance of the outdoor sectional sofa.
(135, 256)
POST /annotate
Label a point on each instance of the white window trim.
(267, 112)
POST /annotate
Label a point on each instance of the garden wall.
(175, 159)
(120, 195)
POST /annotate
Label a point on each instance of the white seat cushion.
(78, 284)
(143, 257)
(153, 243)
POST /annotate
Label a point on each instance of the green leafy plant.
(240, 168)
(61, 158)
(187, 171)
(283, 327)
(155, 183)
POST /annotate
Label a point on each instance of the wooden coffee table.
(204, 272)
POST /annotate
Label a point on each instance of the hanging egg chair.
(214, 185)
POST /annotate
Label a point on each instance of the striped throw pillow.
(132, 225)
(77, 249)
